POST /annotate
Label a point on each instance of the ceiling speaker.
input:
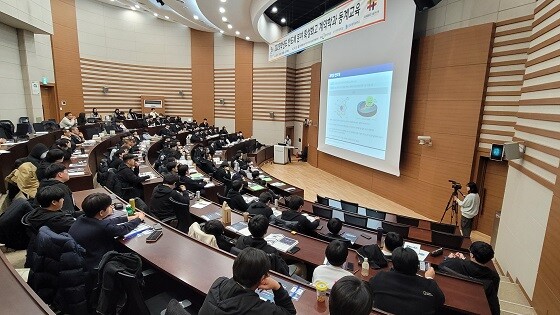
(425, 4)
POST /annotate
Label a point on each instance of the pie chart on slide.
(367, 109)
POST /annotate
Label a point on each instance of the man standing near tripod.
(469, 208)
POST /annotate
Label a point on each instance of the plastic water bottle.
(365, 268)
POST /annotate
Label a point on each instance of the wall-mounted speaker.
(425, 4)
(222, 101)
(271, 114)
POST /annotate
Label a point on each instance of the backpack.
(374, 255)
(102, 172)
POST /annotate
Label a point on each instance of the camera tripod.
(454, 206)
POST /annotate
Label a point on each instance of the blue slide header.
(359, 71)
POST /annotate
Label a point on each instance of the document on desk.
(351, 237)
(152, 175)
(277, 184)
(196, 176)
(4, 151)
(240, 228)
(422, 254)
(281, 242)
(290, 189)
(212, 216)
(249, 199)
(255, 187)
(209, 184)
(142, 228)
(276, 212)
(75, 173)
(201, 204)
(310, 218)
(294, 291)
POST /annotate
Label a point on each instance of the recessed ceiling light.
(137, 6)
(112, 0)
(247, 38)
(283, 20)
(224, 18)
(274, 10)
(230, 26)
(224, 1)
(221, 31)
(222, 10)
(195, 17)
(133, 8)
(155, 14)
(167, 17)
(236, 32)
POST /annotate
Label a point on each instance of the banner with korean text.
(347, 17)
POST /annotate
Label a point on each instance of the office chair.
(323, 200)
(8, 122)
(136, 304)
(408, 221)
(22, 130)
(447, 240)
(322, 211)
(349, 206)
(355, 220)
(442, 227)
(400, 229)
(376, 214)
(38, 127)
(290, 225)
(7, 128)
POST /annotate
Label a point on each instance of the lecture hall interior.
(386, 109)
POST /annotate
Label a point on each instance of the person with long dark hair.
(469, 208)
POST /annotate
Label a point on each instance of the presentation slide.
(358, 106)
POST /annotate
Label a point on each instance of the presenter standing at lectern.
(469, 208)
(288, 142)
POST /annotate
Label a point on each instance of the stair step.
(505, 279)
(511, 292)
(507, 307)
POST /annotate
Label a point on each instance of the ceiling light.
(283, 20)
(133, 8)
(155, 14)
(195, 17)
(222, 10)
(167, 17)
(230, 26)
(274, 10)
(221, 31)
(112, 0)
(236, 32)
(224, 18)
(247, 38)
(137, 6)
(223, 1)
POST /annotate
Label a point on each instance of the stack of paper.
(201, 204)
(240, 228)
(212, 216)
(281, 242)
(422, 254)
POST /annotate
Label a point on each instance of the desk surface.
(17, 297)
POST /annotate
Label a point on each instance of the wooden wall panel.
(302, 97)
(202, 54)
(444, 101)
(274, 91)
(127, 82)
(314, 97)
(224, 88)
(66, 56)
(244, 86)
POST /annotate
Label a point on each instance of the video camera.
(455, 185)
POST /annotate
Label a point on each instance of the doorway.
(492, 179)
(48, 99)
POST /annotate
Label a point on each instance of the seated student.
(261, 206)
(97, 234)
(117, 161)
(50, 199)
(336, 253)
(258, 225)
(64, 145)
(67, 121)
(57, 175)
(222, 172)
(392, 241)
(204, 123)
(162, 205)
(237, 295)
(76, 136)
(206, 164)
(350, 295)
(401, 291)
(295, 203)
(481, 253)
(216, 228)
(334, 226)
(127, 174)
(236, 199)
(191, 184)
(53, 156)
(170, 168)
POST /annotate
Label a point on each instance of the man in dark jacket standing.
(481, 253)
(127, 174)
(56, 175)
(167, 202)
(237, 295)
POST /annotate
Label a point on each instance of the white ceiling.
(245, 16)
